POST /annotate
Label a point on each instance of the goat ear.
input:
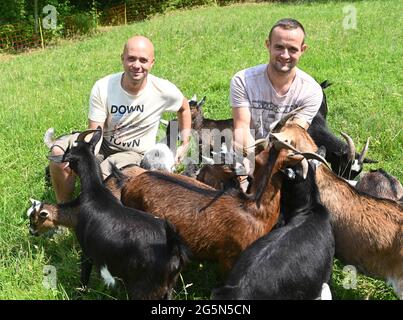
(201, 102)
(43, 214)
(322, 151)
(193, 101)
(368, 160)
(95, 138)
(34, 202)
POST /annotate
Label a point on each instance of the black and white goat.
(342, 156)
(293, 261)
(144, 251)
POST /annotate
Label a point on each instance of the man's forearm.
(185, 123)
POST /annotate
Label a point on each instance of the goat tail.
(48, 138)
(118, 175)
(325, 84)
(178, 251)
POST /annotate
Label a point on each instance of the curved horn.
(363, 153)
(305, 166)
(201, 102)
(208, 160)
(48, 138)
(315, 156)
(278, 144)
(259, 142)
(85, 133)
(284, 119)
(351, 146)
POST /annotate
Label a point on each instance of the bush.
(11, 11)
(78, 24)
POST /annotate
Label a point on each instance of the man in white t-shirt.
(263, 94)
(128, 106)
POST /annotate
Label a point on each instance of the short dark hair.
(288, 24)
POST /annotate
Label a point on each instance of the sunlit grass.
(199, 50)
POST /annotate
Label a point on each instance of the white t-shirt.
(252, 88)
(131, 121)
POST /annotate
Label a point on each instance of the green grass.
(199, 50)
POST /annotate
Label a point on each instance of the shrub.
(78, 24)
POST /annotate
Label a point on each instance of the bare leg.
(63, 178)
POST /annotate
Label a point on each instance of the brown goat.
(216, 225)
(44, 217)
(220, 177)
(368, 231)
(112, 183)
(209, 133)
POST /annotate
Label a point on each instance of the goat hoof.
(82, 289)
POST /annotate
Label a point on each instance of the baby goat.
(293, 261)
(143, 251)
(44, 217)
(380, 184)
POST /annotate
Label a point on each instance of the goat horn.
(85, 133)
(57, 159)
(164, 122)
(363, 153)
(351, 146)
(208, 160)
(258, 142)
(48, 139)
(305, 167)
(315, 156)
(33, 201)
(35, 206)
(278, 144)
(284, 119)
(201, 102)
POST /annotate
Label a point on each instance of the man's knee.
(59, 168)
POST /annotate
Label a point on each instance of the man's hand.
(181, 152)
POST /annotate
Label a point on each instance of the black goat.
(145, 252)
(344, 160)
(293, 261)
(323, 107)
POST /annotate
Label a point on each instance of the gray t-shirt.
(252, 88)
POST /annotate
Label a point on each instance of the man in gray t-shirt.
(263, 94)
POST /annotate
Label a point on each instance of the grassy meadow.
(199, 50)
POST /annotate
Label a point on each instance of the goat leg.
(86, 267)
